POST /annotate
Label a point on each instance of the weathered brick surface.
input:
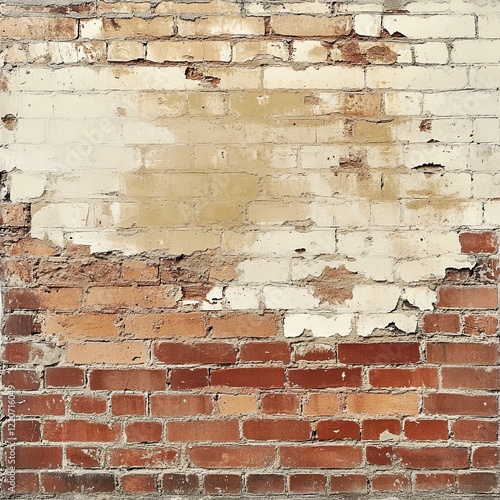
(250, 249)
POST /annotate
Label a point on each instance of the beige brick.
(207, 104)
(383, 404)
(263, 212)
(166, 185)
(123, 7)
(229, 404)
(151, 214)
(125, 51)
(67, 52)
(105, 28)
(452, 157)
(84, 185)
(269, 104)
(217, 7)
(313, 78)
(85, 326)
(439, 26)
(486, 130)
(32, 28)
(322, 404)
(491, 213)
(263, 270)
(67, 215)
(154, 104)
(167, 157)
(403, 103)
(264, 9)
(310, 51)
(311, 26)
(447, 185)
(26, 186)
(253, 50)
(444, 130)
(468, 103)
(128, 352)
(427, 213)
(160, 51)
(215, 26)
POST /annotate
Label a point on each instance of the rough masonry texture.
(250, 248)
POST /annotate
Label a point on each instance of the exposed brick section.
(139, 483)
(143, 432)
(435, 482)
(265, 351)
(379, 353)
(86, 457)
(307, 483)
(231, 457)
(471, 378)
(403, 377)
(337, 429)
(248, 377)
(467, 354)
(335, 457)
(426, 430)
(189, 378)
(434, 458)
(37, 404)
(128, 404)
(19, 324)
(350, 483)
(81, 431)
(475, 430)
(222, 483)
(24, 430)
(468, 297)
(243, 325)
(486, 242)
(280, 404)
(380, 429)
(203, 430)
(38, 457)
(22, 380)
(181, 405)
(477, 325)
(460, 404)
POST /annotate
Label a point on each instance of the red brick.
(139, 483)
(265, 351)
(475, 430)
(61, 482)
(426, 430)
(222, 483)
(182, 405)
(40, 404)
(403, 377)
(307, 483)
(460, 404)
(128, 404)
(390, 482)
(479, 242)
(16, 353)
(131, 380)
(181, 484)
(231, 457)
(442, 323)
(142, 457)
(486, 456)
(477, 325)
(470, 378)
(87, 404)
(32, 247)
(379, 455)
(434, 482)
(38, 457)
(132, 296)
(462, 354)
(379, 353)
(64, 377)
(81, 431)
(281, 430)
(143, 432)
(24, 430)
(188, 378)
(199, 353)
(477, 482)
(25, 482)
(468, 297)
(50, 298)
(337, 429)
(141, 272)
(433, 458)
(314, 353)
(280, 404)
(19, 324)
(374, 430)
(165, 325)
(261, 378)
(203, 430)
(82, 326)
(325, 378)
(243, 325)
(86, 457)
(349, 483)
(334, 457)
(22, 380)
(62, 272)
(265, 483)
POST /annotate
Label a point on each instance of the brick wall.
(250, 248)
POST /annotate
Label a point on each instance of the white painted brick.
(453, 157)
(442, 130)
(416, 78)
(85, 185)
(242, 297)
(66, 215)
(484, 157)
(372, 298)
(456, 6)
(375, 268)
(431, 53)
(310, 51)
(438, 213)
(326, 77)
(403, 103)
(319, 325)
(489, 26)
(486, 77)
(263, 270)
(135, 132)
(492, 213)
(253, 50)
(414, 271)
(462, 103)
(475, 51)
(368, 24)
(125, 50)
(288, 297)
(440, 26)
(486, 185)
(440, 185)
(216, 26)
(487, 130)
(26, 186)
(160, 51)
(385, 213)
(351, 214)
(29, 131)
(421, 297)
(264, 9)
(366, 324)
